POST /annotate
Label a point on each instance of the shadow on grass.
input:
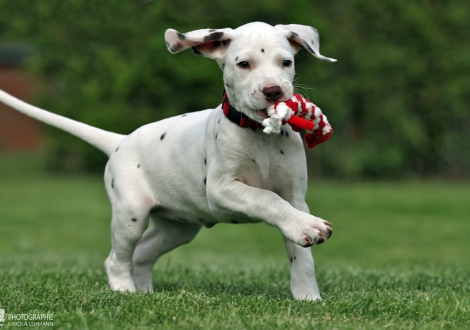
(270, 283)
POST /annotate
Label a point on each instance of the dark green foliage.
(397, 98)
(400, 91)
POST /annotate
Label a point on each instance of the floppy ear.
(304, 36)
(207, 42)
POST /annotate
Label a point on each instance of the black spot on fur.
(293, 35)
(116, 149)
(138, 165)
(237, 179)
(162, 136)
(234, 221)
(213, 36)
(205, 161)
(295, 258)
(236, 58)
(176, 47)
(228, 86)
(291, 259)
(196, 51)
(223, 66)
(287, 134)
(282, 132)
(205, 180)
(262, 50)
(253, 160)
(184, 115)
(212, 30)
(134, 219)
(282, 152)
(112, 183)
(216, 136)
(181, 36)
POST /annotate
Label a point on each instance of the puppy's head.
(257, 60)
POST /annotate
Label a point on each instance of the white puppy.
(211, 166)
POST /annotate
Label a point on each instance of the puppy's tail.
(101, 139)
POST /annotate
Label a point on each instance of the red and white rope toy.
(300, 114)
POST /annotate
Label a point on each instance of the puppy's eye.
(286, 63)
(244, 64)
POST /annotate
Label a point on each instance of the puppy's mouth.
(263, 113)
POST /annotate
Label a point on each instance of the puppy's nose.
(273, 93)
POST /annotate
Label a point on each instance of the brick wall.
(17, 131)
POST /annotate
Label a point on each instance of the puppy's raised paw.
(308, 231)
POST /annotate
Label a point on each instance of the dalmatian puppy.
(204, 168)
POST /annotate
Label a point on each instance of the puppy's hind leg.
(127, 226)
(164, 236)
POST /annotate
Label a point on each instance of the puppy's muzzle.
(273, 93)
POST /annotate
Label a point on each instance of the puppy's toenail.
(330, 232)
(308, 242)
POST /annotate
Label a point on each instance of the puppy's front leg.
(303, 283)
(231, 195)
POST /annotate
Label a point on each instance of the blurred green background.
(398, 98)
(393, 179)
(377, 225)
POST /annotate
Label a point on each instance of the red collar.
(236, 116)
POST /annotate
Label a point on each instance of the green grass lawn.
(399, 259)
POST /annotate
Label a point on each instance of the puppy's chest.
(263, 163)
(259, 169)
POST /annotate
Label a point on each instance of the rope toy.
(300, 114)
